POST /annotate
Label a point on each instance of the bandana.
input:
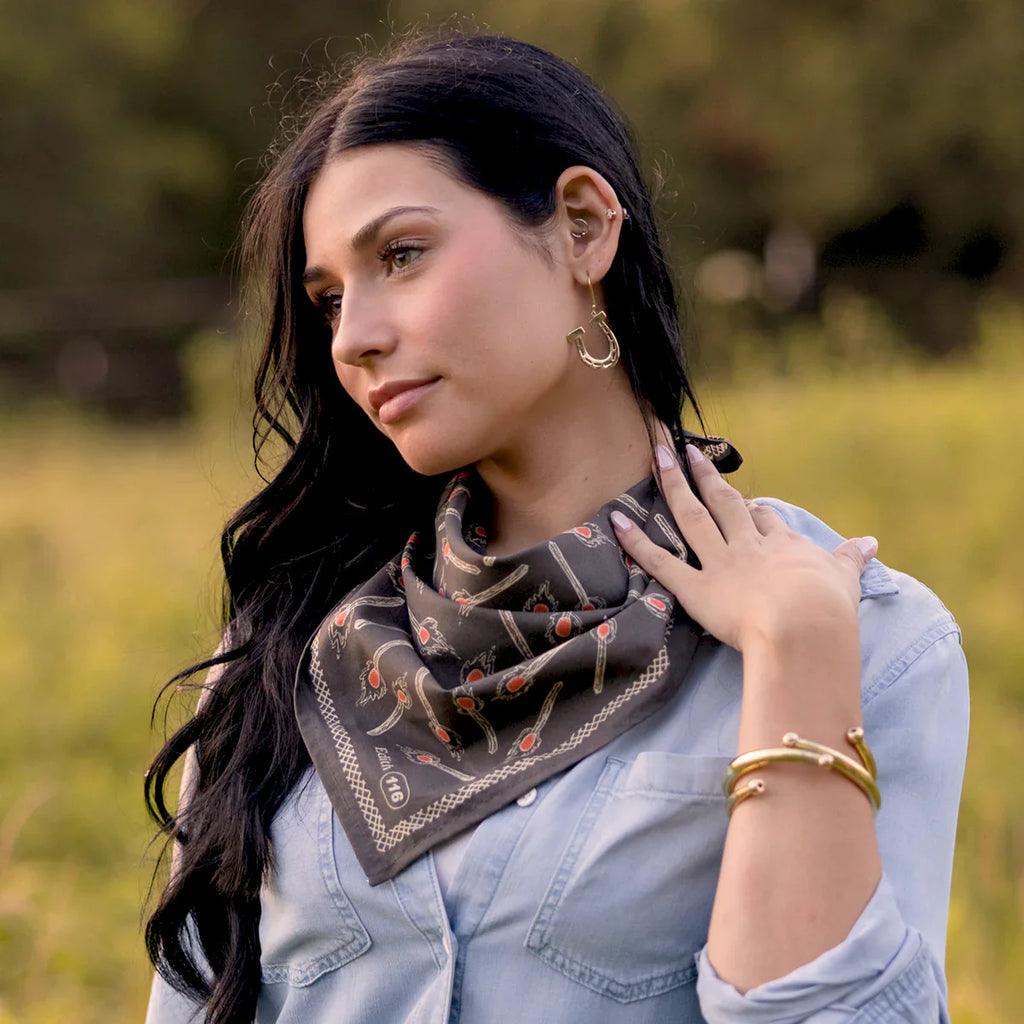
(453, 681)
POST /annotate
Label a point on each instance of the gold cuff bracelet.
(796, 750)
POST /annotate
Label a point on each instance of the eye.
(329, 306)
(399, 256)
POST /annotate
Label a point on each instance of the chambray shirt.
(588, 900)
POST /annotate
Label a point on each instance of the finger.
(766, 519)
(670, 571)
(694, 520)
(857, 552)
(723, 501)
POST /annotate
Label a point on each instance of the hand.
(758, 580)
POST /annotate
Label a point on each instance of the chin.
(434, 445)
(435, 461)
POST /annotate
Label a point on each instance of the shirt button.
(527, 798)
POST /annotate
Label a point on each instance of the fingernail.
(666, 460)
(694, 455)
(867, 546)
(620, 521)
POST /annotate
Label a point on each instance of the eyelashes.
(400, 254)
(397, 256)
(328, 305)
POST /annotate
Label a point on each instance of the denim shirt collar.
(877, 581)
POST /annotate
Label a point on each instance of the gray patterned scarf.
(453, 681)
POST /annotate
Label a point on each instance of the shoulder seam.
(877, 580)
(938, 631)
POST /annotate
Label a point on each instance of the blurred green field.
(108, 584)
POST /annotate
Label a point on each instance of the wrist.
(804, 678)
(790, 634)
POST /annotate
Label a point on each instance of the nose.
(363, 331)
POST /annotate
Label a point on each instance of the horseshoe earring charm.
(598, 319)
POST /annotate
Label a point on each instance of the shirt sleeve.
(169, 1007)
(889, 967)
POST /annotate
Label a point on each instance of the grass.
(928, 461)
(108, 584)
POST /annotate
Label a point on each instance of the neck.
(572, 465)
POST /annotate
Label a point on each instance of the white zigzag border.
(383, 837)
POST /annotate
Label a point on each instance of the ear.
(583, 194)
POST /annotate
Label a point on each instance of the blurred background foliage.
(841, 182)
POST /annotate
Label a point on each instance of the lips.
(378, 396)
(394, 398)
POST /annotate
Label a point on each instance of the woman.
(495, 631)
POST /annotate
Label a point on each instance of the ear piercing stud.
(583, 230)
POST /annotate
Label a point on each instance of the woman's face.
(448, 325)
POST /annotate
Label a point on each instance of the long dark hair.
(507, 118)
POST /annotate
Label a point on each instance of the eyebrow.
(367, 233)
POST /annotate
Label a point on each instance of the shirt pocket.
(308, 926)
(628, 906)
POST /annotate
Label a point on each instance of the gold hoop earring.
(599, 318)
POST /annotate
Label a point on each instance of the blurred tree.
(92, 172)
(132, 132)
(863, 143)
(132, 129)
(822, 118)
